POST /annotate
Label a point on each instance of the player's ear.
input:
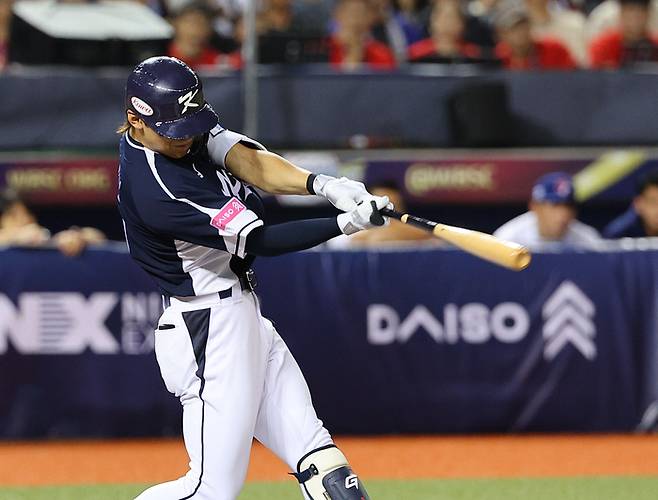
(134, 120)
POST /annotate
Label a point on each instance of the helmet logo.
(186, 101)
(141, 106)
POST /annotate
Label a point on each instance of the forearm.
(279, 176)
(291, 236)
(267, 171)
(276, 175)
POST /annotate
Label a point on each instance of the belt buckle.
(250, 275)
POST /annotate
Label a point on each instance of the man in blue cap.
(551, 220)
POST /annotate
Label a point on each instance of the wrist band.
(309, 183)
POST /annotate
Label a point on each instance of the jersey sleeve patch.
(216, 130)
(227, 213)
(220, 144)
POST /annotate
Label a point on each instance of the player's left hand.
(343, 193)
(365, 216)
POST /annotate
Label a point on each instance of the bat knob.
(376, 219)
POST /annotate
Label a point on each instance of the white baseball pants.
(236, 380)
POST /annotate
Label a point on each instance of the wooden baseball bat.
(485, 246)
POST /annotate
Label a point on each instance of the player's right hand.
(365, 216)
(343, 193)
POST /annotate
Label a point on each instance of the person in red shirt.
(446, 42)
(351, 46)
(631, 42)
(518, 50)
(192, 33)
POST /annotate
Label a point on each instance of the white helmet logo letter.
(186, 101)
(351, 481)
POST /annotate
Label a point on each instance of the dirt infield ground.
(150, 461)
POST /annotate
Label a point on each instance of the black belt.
(247, 282)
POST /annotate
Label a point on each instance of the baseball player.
(551, 221)
(193, 222)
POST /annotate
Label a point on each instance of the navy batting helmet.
(168, 96)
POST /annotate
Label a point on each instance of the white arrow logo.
(568, 315)
(186, 101)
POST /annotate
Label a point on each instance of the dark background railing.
(314, 107)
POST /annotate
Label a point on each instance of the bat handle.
(391, 213)
(376, 218)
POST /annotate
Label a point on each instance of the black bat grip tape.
(376, 218)
(412, 220)
(390, 213)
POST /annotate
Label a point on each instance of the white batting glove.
(365, 216)
(343, 193)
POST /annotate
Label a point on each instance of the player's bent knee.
(325, 475)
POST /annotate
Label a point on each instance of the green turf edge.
(588, 488)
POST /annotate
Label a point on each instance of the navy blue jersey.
(186, 220)
(627, 225)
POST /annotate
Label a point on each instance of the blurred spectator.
(393, 30)
(482, 9)
(605, 16)
(160, 7)
(551, 219)
(18, 226)
(518, 49)
(479, 22)
(409, 14)
(276, 17)
(446, 42)
(227, 11)
(193, 30)
(641, 219)
(478, 28)
(351, 45)
(313, 16)
(394, 233)
(5, 21)
(548, 19)
(630, 43)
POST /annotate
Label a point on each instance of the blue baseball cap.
(556, 187)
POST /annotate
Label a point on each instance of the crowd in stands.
(19, 227)
(385, 34)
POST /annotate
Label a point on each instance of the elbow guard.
(324, 474)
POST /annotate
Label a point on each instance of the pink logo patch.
(227, 213)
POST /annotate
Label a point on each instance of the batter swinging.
(194, 223)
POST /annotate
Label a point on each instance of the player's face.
(173, 148)
(553, 219)
(646, 205)
(16, 216)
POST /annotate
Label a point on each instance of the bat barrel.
(501, 252)
(485, 246)
(520, 259)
